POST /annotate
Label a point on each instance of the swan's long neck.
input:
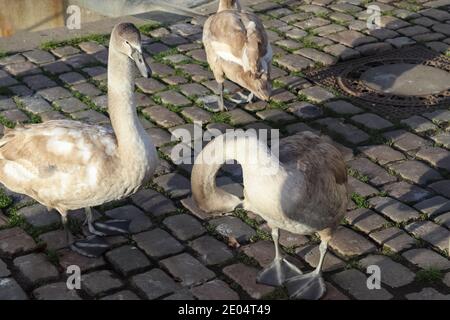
(228, 5)
(254, 157)
(122, 105)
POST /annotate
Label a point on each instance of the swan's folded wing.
(240, 38)
(43, 151)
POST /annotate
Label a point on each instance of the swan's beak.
(143, 67)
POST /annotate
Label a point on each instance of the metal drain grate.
(346, 79)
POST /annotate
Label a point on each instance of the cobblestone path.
(399, 218)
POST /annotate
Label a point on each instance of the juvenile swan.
(237, 47)
(67, 165)
(303, 191)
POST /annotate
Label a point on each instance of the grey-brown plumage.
(305, 192)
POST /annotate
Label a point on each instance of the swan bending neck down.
(67, 165)
(303, 191)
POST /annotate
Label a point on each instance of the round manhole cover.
(406, 79)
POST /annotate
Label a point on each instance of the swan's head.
(261, 86)
(126, 39)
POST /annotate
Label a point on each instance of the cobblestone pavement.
(399, 218)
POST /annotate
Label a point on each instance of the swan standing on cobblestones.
(307, 193)
(237, 47)
(67, 165)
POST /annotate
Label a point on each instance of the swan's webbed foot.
(277, 273)
(110, 227)
(308, 286)
(92, 246)
(241, 98)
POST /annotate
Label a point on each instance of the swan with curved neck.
(303, 191)
(237, 48)
(67, 165)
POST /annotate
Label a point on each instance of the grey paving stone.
(35, 104)
(425, 259)
(55, 93)
(351, 38)
(196, 114)
(393, 239)
(56, 67)
(372, 121)
(153, 202)
(442, 28)
(22, 69)
(393, 274)
(81, 60)
(91, 116)
(349, 132)
(293, 62)
(239, 117)
(174, 184)
(443, 219)
(38, 81)
(15, 115)
(4, 271)
(350, 244)
(342, 52)
(149, 85)
(376, 174)
(442, 187)
(159, 136)
(406, 192)
(382, 154)
(10, 290)
(54, 240)
(432, 233)
(245, 276)
(127, 259)
(182, 294)
(138, 220)
(214, 290)
(157, 243)
(15, 241)
(100, 282)
(354, 282)
(91, 47)
(68, 257)
(419, 124)
(70, 105)
(55, 291)
(196, 72)
(395, 210)
(305, 110)
(64, 51)
(405, 141)
(342, 107)
(87, 89)
(188, 270)
(437, 157)
(365, 219)
(416, 172)
(427, 294)
(374, 48)
(38, 56)
(317, 94)
(14, 58)
(310, 253)
(211, 251)
(438, 116)
(401, 42)
(38, 216)
(7, 104)
(233, 227)
(361, 188)
(122, 295)
(275, 116)
(72, 78)
(163, 116)
(35, 269)
(184, 226)
(433, 206)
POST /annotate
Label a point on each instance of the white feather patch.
(59, 147)
(18, 172)
(224, 52)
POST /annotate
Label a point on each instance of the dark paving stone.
(211, 251)
(416, 172)
(122, 295)
(245, 276)
(233, 227)
(376, 174)
(187, 269)
(10, 290)
(432, 233)
(138, 220)
(157, 243)
(55, 291)
(393, 239)
(361, 188)
(365, 219)
(434, 206)
(14, 241)
(310, 254)
(4, 271)
(382, 154)
(153, 202)
(100, 282)
(35, 269)
(174, 184)
(395, 210)
(68, 257)
(163, 116)
(35, 104)
(154, 284)
(214, 290)
(425, 259)
(406, 192)
(405, 141)
(427, 294)
(372, 121)
(127, 259)
(36, 82)
(184, 227)
(38, 216)
(354, 282)
(52, 94)
(54, 240)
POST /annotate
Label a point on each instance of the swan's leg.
(64, 220)
(240, 98)
(310, 286)
(221, 103)
(280, 269)
(250, 97)
(89, 220)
